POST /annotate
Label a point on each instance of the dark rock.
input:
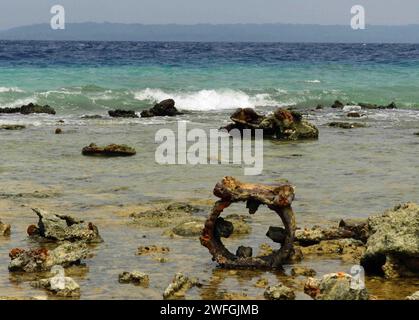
(119, 113)
(29, 108)
(244, 252)
(112, 150)
(276, 234)
(162, 109)
(58, 131)
(56, 227)
(353, 114)
(337, 105)
(346, 125)
(92, 117)
(282, 124)
(416, 134)
(375, 106)
(319, 107)
(12, 127)
(223, 227)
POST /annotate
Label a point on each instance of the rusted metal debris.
(276, 197)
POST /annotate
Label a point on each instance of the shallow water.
(346, 173)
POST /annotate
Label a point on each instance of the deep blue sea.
(81, 76)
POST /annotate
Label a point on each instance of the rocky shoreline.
(385, 245)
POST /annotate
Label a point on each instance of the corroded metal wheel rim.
(276, 198)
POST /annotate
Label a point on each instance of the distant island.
(90, 31)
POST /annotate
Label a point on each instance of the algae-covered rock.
(393, 247)
(42, 259)
(55, 227)
(135, 277)
(179, 286)
(335, 286)
(279, 292)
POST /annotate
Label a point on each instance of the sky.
(378, 12)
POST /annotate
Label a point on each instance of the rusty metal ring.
(277, 198)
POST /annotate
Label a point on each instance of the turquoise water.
(76, 77)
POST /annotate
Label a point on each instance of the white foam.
(351, 108)
(313, 81)
(10, 89)
(208, 99)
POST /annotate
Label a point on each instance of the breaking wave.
(204, 100)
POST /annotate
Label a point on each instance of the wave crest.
(208, 99)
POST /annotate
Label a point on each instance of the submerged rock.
(279, 292)
(153, 249)
(29, 108)
(374, 106)
(12, 127)
(42, 259)
(63, 228)
(162, 109)
(4, 229)
(303, 271)
(135, 277)
(393, 246)
(349, 250)
(353, 114)
(335, 286)
(281, 124)
(179, 286)
(91, 117)
(59, 286)
(189, 228)
(119, 113)
(346, 125)
(161, 216)
(112, 150)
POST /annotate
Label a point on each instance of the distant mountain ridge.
(90, 31)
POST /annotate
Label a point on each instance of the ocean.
(344, 174)
(79, 77)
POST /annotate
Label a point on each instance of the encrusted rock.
(135, 277)
(4, 229)
(161, 109)
(42, 259)
(59, 286)
(262, 283)
(349, 250)
(335, 286)
(119, 113)
(353, 114)
(303, 271)
(63, 228)
(153, 249)
(112, 150)
(281, 124)
(279, 292)
(393, 246)
(244, 252)
(179, 286)
(29, 108)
